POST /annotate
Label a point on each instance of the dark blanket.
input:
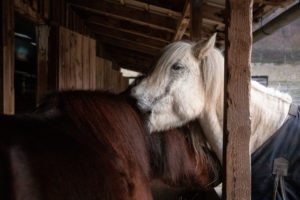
(284, 143)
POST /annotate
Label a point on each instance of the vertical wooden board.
(99, 73)
(62, 13)
(67, 59)
(55, 51)
(8, 56)
(102, 75)
(114, 84)
(119, 83)
(18, 3)
(107, 76)
(34, 5)
(72, 67)
(1, 55)
(62, 61)
(92, 64)
(112, 81)
(46, 9)
(124, 84)
(237, 127)
(196, 19)
(42, 60)
(85, 63)
(78, 61)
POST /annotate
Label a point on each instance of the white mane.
(271, 92)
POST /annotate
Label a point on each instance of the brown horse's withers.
(87, 145)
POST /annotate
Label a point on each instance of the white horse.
(187, 83)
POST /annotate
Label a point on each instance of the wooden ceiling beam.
(213, 15)
(128, 39)
(103, 30)
(152, 8)
(121, 42)
(183, 22)
(126, 13)
(127, 26)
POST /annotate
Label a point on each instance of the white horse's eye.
(177, 67)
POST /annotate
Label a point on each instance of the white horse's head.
(183, 82)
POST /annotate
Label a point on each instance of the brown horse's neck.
(173, 161)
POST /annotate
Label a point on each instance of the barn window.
(25, 65)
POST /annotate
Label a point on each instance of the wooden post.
(42, 32)
(53, 61)
(1, 55)
(237, 127)
(7, 64)
(196, 19)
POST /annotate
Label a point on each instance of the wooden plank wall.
(109, 79)
(58, 14)
(75, 23)
(42, 33)
(7, 64)
(237, 126)
(77, 61)
(1, 54)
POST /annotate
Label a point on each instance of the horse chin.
(160, 122)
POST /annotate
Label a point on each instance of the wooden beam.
(237, 126)
(26, 9)
(213, 15)
(130, 27)
(1, 55)
(8, 57)
(196, 20)
(127, 44)
(42, 33)
(183, 22)
(103, 30)
(53, 61)
(152, 8)
(262, 17)
(126, 13)
(276, 23)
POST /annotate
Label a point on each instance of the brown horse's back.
(87, 145)
(79, 153)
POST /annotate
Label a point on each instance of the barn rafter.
(147, 26)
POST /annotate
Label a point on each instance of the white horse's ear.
(201, 48)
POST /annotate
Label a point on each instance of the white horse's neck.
(268, 110)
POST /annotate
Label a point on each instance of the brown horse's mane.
(92, 112)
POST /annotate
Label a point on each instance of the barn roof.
(131, 32)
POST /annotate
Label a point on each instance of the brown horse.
(93, 145)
